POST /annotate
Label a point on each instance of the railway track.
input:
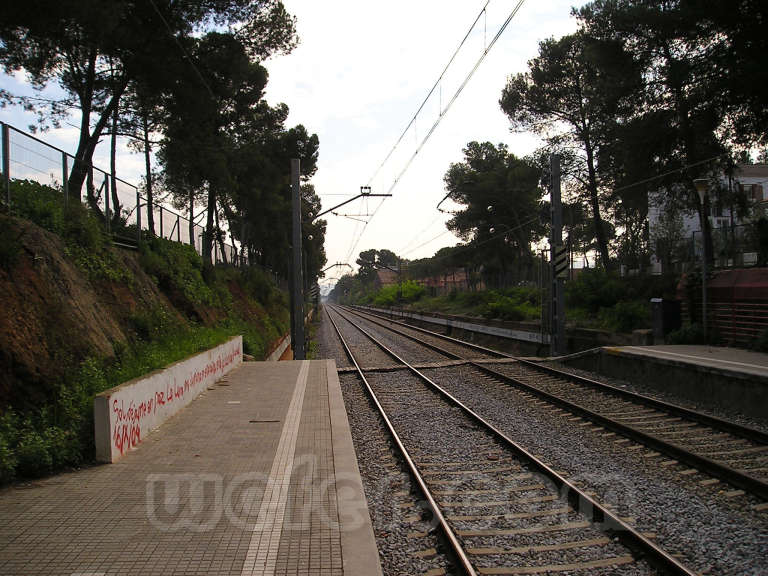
(500, 509)
(724, 450)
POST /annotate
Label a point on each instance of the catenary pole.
(297, 338)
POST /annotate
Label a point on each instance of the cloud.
(356, 79)
(363, 69)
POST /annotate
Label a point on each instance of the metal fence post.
(161, 221)
(192, 220)
(106, 202)
(138, 216)
(7, 165)
(178, 228)
(65, 176)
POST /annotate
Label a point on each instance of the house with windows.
(735, 202)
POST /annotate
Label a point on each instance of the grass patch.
(514, 304)
(79, 227)
(60, 434)
(607, 301)
(408, 291)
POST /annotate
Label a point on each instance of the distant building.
(385, 277)
(454, 279)
(674, 232)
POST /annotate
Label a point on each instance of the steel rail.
(490, 351)
(712, 421)
(735, 477)
(450, 535)
(706, 419)
(605, 520)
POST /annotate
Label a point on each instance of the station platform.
(713, 376)
(257, 476)
(727, 359)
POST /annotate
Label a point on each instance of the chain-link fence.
(738, 246)
(124, 211)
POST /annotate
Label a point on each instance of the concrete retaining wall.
(708, 386)
(516, 340)
(521, 338)
(126, 414)
(279, 350)
(444, 320)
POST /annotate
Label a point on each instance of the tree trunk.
(220, 239)
(115, 207)
(89, 140)
(682, 108)
(192, 219)
(148, 169)
(594, 202)
(208, 232)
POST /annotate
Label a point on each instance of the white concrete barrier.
(126, 414)
(281, 348)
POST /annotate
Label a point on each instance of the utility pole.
(399, 281)
(702, 184)
(297, 277)
(559, 261)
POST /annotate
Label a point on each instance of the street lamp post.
(701, 188)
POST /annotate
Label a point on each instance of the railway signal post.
(558, 262)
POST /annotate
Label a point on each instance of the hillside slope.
(78, 315)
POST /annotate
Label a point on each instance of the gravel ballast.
(714, 530)
(393, 500)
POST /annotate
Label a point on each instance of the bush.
(8, 439)
(761, 342)
(45, 206)
(626, 316)
(409, 291)
(34, 460)
(155, 323)
(37, 439)
(690, 334)
(9, 244)
(41, 204)
(505, 308)
(64, 447)
(594, 289)
(517, 303)
(177, 267)
(7, 462)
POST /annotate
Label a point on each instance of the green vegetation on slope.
(594, 299)
(160, 309)
(520, 303)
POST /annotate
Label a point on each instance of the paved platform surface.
(731, 359)
(257, 476)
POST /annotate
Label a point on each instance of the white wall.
(126, 414)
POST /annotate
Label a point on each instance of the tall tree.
(736, 44)
(501, 199)
(94, 48)
(204, 116)
(313, 240)
(366, 263)
(679, 92)
(570, 95)
(259, 203)
(387, 258)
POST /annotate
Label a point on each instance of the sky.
(356, 79)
